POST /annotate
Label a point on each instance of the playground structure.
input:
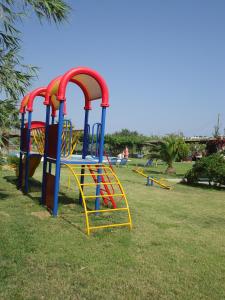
(32, 140)
(151, 180)
(56, 141)
(33, 134)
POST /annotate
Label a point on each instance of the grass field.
(176, 249)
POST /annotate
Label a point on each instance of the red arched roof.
(50, 96)
(36, 124)
(92, 84)
(23, 103)
(35, 93)
(28, 99)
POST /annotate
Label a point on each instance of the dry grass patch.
(41, 214)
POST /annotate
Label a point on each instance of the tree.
(166, 150)
(183, 149)
(15, 76)
(117, 141)
(8, 118)
(197, 148)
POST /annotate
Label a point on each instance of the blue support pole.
(152, 182)
(58, 158)
(65, 136)
(27, 153)
(70, 138)
(50, 164)
(20, 179)
(101, 153)
(98, 138)
(149, 181)
(88, 137)
(95, 151)
(42, 201)
(86, 133)
(85, 148)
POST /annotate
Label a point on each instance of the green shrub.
(183, 150)
(210, 168)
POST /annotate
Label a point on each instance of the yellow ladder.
(66, 140)
(39, 138)
(85, 198)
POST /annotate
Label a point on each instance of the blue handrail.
(96, 131)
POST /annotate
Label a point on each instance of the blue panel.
(45, 154)
(85, 147)
(101, 152)
(57, 168)
(27, 152)
(21, 153)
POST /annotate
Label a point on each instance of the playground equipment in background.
(150, 180)
(58, 147)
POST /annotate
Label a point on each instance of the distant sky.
(163, 61)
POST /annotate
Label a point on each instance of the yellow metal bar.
(140, 172)
(99, 166)
(83, 200)
(96, 183)
(125, 199)
(89, 228)
(82, 166)
(108, 226)
(82, 174)
(38, 135)
(154, 180)
(74, 141)
(122, 190)
(106, 210)
(63, 142)
(103, 196)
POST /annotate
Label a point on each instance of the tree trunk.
(170, 169)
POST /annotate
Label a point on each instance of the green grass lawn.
(159, 171)
(176, 249)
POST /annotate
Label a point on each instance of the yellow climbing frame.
(108, 172)
(68, 146)
(39, 138)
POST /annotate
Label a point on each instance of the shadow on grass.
(65, 219)
(203, 186)
(11, 179)
(4, 195)
(65, 199)
(35, 186)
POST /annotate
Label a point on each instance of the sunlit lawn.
(158, 169)
(176, 249)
